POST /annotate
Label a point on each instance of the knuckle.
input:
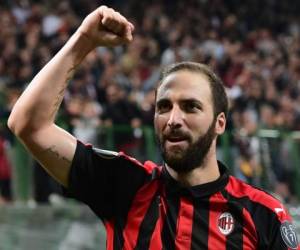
(110, 11)
(102, 8)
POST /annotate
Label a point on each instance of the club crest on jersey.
(226, 223)
(288, 234)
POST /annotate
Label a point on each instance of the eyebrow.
(184, 100)
(191, 100)
(163, 100)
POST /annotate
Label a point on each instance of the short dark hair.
(219, 97)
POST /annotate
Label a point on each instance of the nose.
(175, 118)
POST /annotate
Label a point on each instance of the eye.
(163, 106)
(191, 107)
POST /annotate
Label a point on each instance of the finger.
(107, 15)
(119, 23)
(131, 26)
(115, 39)
(101, 11)
(126, 27)
(113, 23)
(128, 34)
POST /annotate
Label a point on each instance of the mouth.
(176, 141)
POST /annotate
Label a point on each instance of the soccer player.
(189, 203)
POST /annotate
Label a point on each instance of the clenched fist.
(106, 27)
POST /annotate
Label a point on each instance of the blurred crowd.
(253, 45)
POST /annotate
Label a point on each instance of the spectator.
(5, 172)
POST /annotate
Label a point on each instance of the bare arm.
(32, 118)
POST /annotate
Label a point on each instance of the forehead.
(185, 84)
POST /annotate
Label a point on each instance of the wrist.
(79, 45)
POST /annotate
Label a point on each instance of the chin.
(180, 167)
(174, 155)
(173, 159)
(181, 161)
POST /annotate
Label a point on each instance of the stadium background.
(253, 45)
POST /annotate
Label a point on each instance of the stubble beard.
(185, 160)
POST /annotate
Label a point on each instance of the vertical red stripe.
(249, 231)
(216, 240)
(155, 243)
(184, 225)
(137, 212)
(109, 225)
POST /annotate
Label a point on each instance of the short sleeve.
(106, 181)
(276, 229)
(284, 235)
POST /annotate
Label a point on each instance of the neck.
(207, 172)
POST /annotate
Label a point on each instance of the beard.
(185, 160)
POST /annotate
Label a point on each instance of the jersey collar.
(173, 187)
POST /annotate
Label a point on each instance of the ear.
(220, 124)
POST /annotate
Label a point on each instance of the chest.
(179, 222)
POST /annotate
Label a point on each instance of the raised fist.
(106, 27)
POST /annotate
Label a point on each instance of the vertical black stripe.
(200, 225)
(168, 234)
(148, 224)
(235, 239)
(118, 234)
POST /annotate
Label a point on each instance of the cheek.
(159, 123)
(198, 127)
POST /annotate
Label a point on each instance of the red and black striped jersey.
(143, 207)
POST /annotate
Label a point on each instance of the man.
(189, 203)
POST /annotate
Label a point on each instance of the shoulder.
(110, 166)
(103, 155)
(255, 197)
(267, 216)
(147, 167)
